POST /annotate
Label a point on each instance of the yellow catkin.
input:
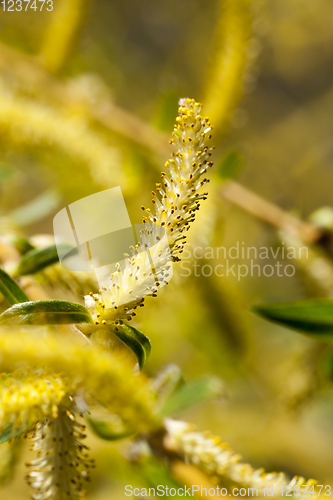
(216, 458)
(60, 32)
(62, 462)
(28, 123)
(107, 378)
(176, 200)
(229, 62)
(57, 277)
(27, 397)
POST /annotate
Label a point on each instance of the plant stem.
(269, 212)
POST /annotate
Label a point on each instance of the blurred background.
(88, 98)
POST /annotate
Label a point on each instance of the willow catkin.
(105, 376)
(175, 203)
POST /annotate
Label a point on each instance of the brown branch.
(270, 213)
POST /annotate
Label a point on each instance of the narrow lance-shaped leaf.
(152, 472)
(191, 394)
(10, 431)
(46, 312)
(168, 381)
(43, 205)
(108, 427)
(313, 317)
(136, 341)
(21, 244)
(11, 290)
(38, 259)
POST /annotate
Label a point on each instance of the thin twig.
(270, 213)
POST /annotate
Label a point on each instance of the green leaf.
(153, 472)
(43, 205)
(21, 244)
(38, 259)
(191, 394)
(231, 165)
(313, 317)
(168, 381)
(11, 290)
(46, 312)
(9, 432)
(136, 341)
(108, 427)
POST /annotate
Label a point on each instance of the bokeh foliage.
(93, 110)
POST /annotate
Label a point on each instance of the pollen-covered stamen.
(28, 396)
(62, 464)
(175, 201)
(216, 459)
(182, 181)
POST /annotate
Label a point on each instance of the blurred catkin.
(216, 458)
(64, 24)
(229, 62)
(29, 123)
(107, 378)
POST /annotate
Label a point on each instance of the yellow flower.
(216, 458)
(104, 376)
(62, 462)
(175, 201)
(26, 397)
